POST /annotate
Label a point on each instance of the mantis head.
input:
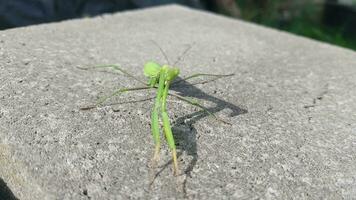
(172, 73)
(152, 70)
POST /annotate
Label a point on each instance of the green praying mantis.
(161, 77)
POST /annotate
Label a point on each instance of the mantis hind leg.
(117, 68)
(214, 77)
(197, 104)
(116, 93)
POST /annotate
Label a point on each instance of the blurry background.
(332, 21)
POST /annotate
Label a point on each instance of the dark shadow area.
(5, 192)
(183, 128)
(333, 12)
(16, 13)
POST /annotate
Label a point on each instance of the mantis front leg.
(167, 128)
(160, 103)
(154, 119)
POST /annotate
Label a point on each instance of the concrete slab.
(291, 103)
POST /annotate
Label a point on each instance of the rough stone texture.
(291, 103)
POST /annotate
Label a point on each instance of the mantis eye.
(172, 73)
(151, 69)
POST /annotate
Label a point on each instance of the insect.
(160, 77)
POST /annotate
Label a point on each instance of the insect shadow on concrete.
(186, 141)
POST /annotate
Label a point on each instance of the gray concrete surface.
(291, 103)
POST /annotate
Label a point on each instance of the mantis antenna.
(183, 54)
(159, 47)
(180, 57)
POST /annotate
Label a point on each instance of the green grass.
(303, 18)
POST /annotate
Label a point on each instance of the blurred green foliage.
(301, 17)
